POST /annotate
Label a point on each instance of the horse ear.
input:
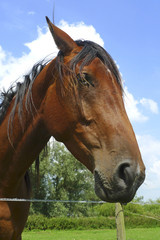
(63, 41)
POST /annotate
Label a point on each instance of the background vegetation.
(62, 177)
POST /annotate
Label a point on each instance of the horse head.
(91, 117)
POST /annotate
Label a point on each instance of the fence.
(121, 234)
(119, 213)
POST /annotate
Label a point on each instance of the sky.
(128, 30)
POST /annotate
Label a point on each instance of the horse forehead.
(72, 54)
(96, 62)
(96, 66)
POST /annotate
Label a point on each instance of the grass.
(132, 234)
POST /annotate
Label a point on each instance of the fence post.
(121, 234)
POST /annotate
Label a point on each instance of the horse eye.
(85, 79)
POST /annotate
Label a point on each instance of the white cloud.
(31, 13)
(149, 148)
(131, 105)
(81, 31)
(150, 104)
(12, 68)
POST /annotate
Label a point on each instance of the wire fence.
(68, 201)
(142, 215)
(119, 211)
(74, 201)
(46, 200)
(80, 201)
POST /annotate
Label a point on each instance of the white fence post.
(121, 234)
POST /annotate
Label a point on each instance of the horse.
(77, 98)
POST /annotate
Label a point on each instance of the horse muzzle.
(123, 184)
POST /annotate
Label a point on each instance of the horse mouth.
(115, 191)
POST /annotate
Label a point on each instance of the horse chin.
(113, 192)
(113, 197)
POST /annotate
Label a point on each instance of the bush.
(103, 217)
(131, 208)
(145, 216)
(62, 223)
(152, 209)
(37, 222)
(105, 210)
(141, 222)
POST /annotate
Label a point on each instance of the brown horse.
(77, 98)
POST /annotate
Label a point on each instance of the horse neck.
(20, 149)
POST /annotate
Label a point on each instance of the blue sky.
(129, 31)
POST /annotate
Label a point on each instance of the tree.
(62, 177)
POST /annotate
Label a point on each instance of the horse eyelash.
(85, 79)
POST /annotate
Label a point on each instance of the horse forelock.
(88, 53)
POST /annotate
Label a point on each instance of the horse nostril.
(126, 173)
(121, 184)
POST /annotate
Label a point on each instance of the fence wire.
(46, 200)
(66, 201)
(74, 201)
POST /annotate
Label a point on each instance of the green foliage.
(141, 221)
(62, 177)
(37, 222)
(105, 210)
(152, 209)
(138, 200)
(63, 223)
(132, 208)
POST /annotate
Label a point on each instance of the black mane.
(18, 91)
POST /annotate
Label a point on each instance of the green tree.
(62, 177)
